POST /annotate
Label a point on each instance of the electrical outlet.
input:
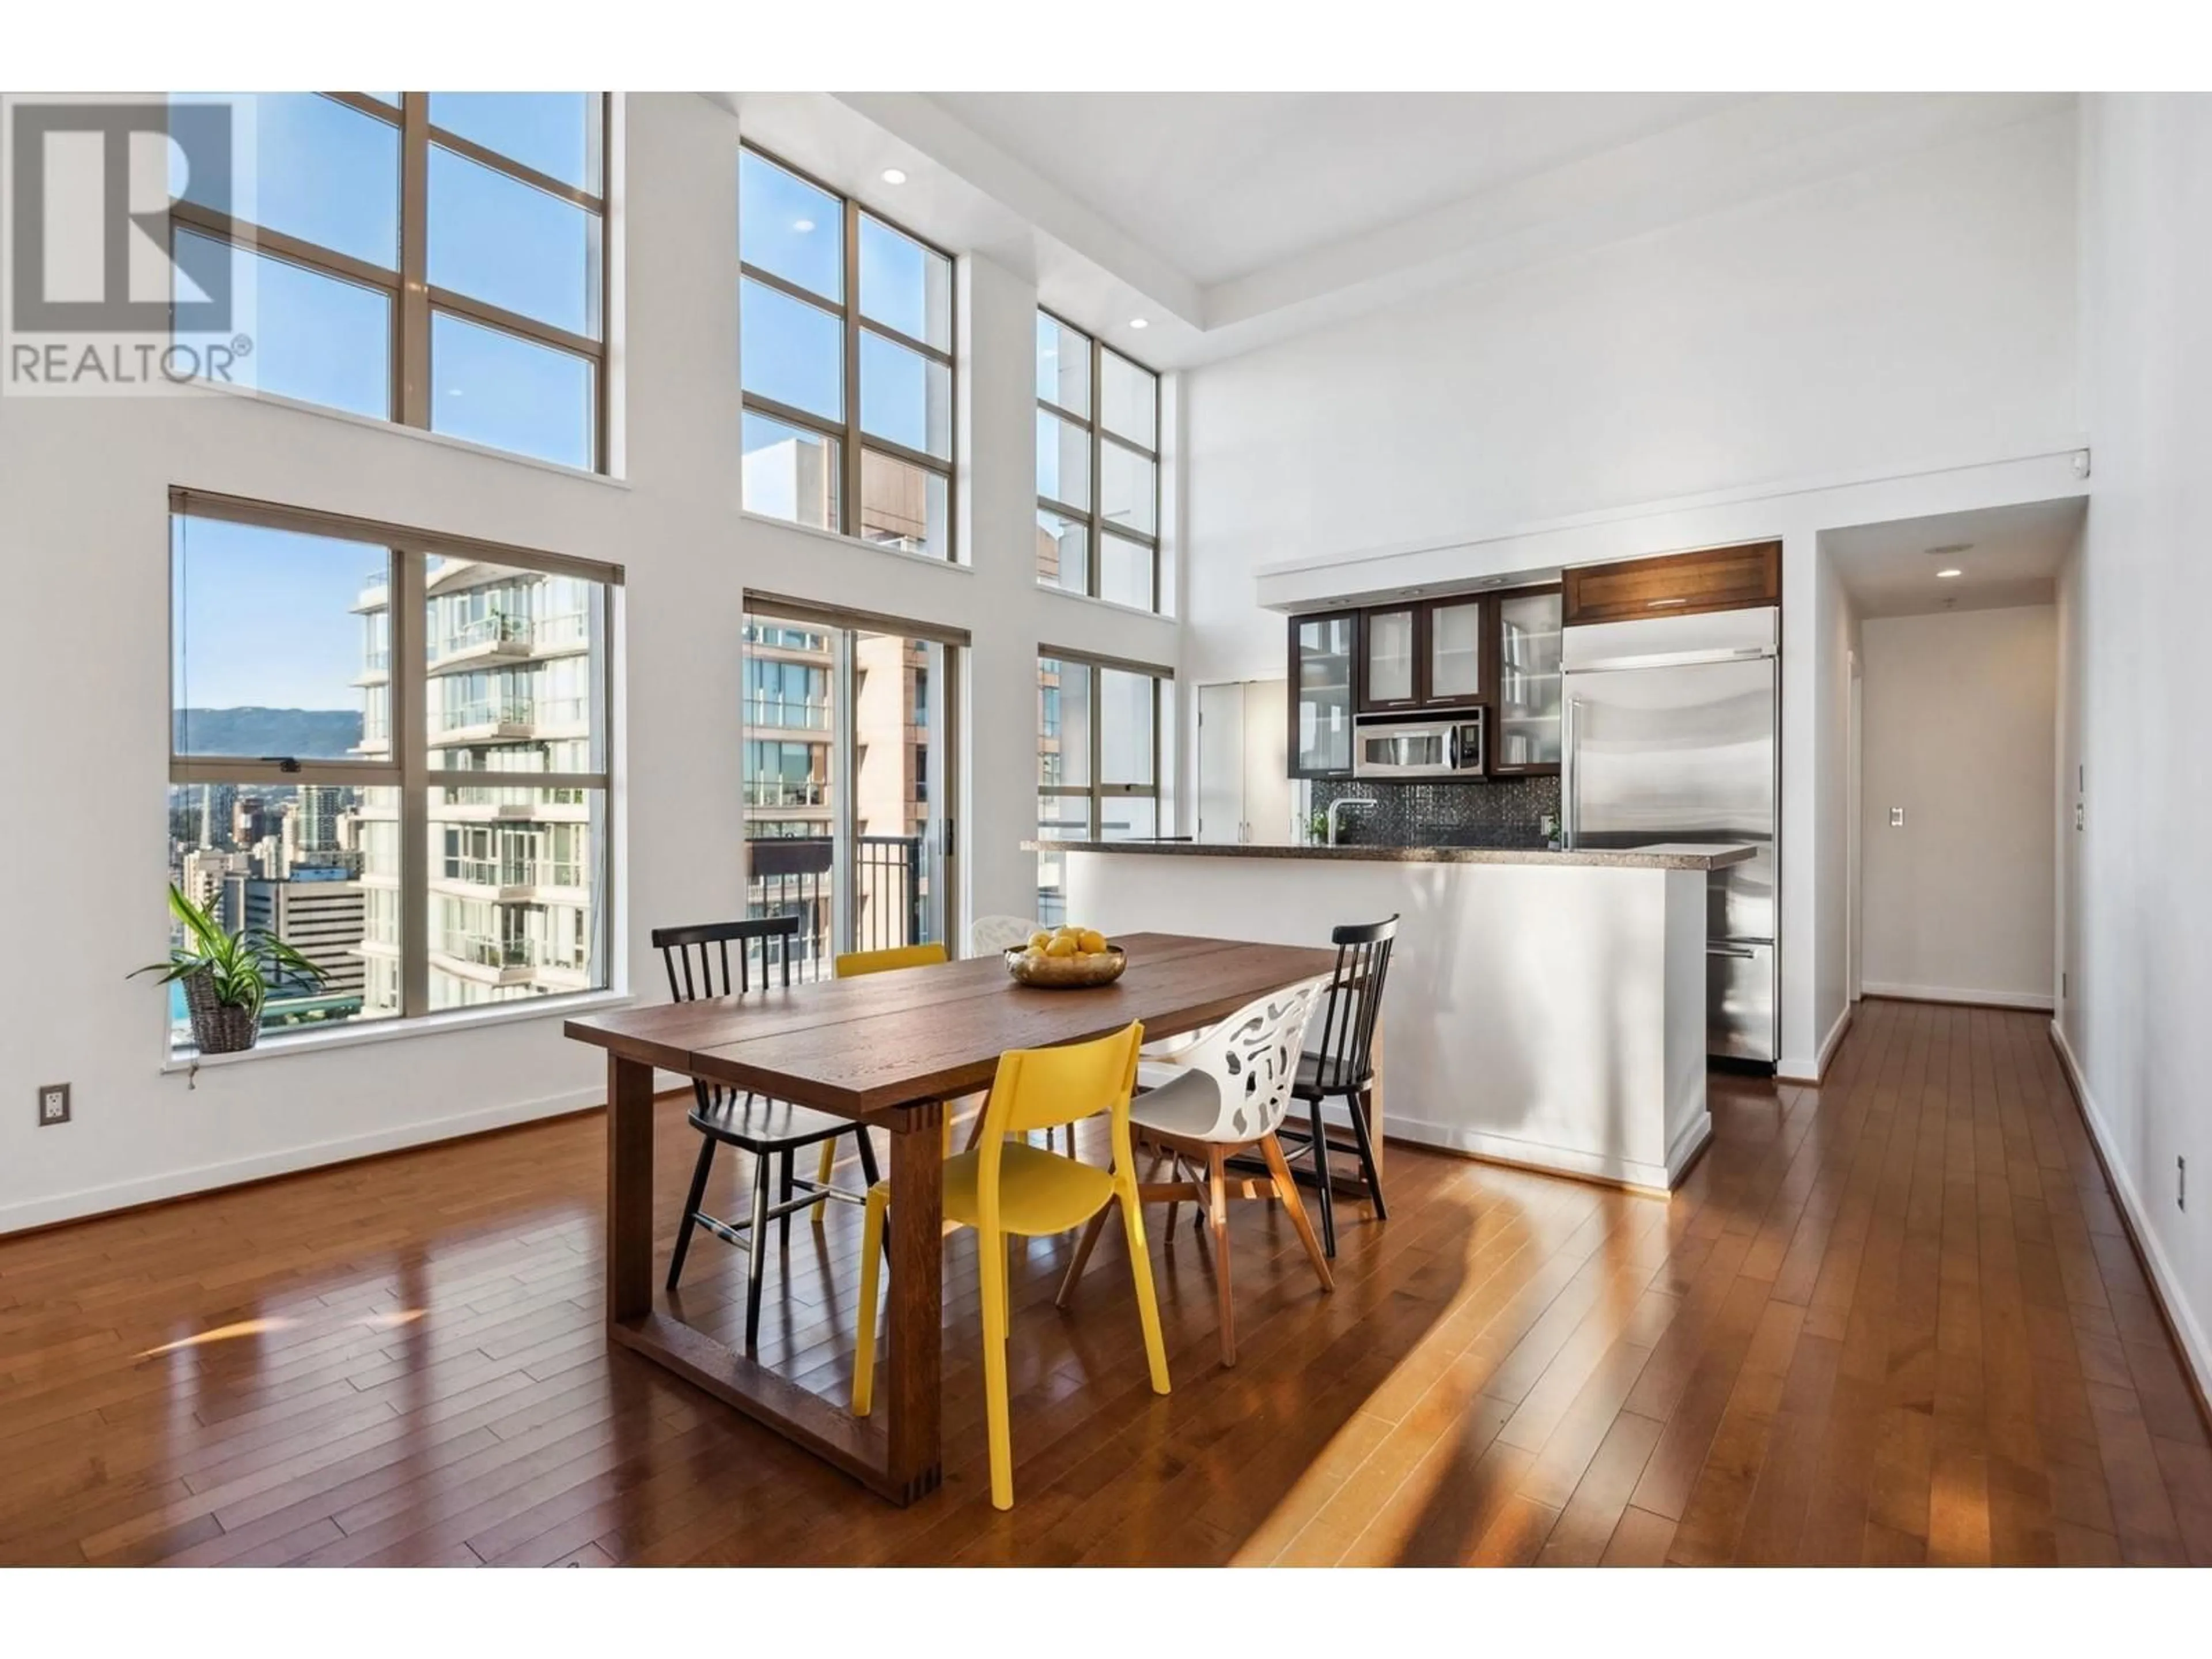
(1897, 818)
(53, 1104)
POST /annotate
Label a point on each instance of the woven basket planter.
(218, 1028)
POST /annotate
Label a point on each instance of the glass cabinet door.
(1528, 684)
(1389, 657)
(1455, 652)
(1322, 738)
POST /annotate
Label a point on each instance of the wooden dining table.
(889, 1050)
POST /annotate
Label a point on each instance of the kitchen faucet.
(1336, 807)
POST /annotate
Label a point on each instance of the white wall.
(1837, 638)
(2136, 885)
(83, 676)
(1846, 354)
(1961, 710)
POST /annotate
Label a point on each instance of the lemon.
(1093, 941)
(1060, 947)
(1039, 940)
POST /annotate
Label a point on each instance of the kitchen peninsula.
(1544, 1008)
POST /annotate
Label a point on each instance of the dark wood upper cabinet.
(1527, 691)
(1715, 579)
(1391, 640)
(1323, 672)
(1427, 654)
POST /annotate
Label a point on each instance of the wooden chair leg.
(699, 1173)
(1217, 1211)
(1082, 1259)
(1361, 1111)
(992, 1252)
(756, 1252)
(1286, 1193)
(872, 1238)
(1321, 1179)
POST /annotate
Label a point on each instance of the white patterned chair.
(1226, 1094)
(988, 935)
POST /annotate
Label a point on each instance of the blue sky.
(261, 618)
(330, 175)
(795, 352)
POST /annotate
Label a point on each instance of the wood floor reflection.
(1895, 1318)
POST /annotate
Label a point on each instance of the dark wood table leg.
(629, 1189)
(913, 1371)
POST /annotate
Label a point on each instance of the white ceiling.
(1222, 184)
(2007, 556)
(1230, 220)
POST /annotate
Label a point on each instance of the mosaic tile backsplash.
(1507, 813)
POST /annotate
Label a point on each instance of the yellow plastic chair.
(851, 964)
(1006, 1186)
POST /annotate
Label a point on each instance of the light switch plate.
(53, 1104)
(1897, 818)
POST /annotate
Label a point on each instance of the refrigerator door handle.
(1570, 808)
(1744, 952)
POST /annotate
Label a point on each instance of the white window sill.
(411, 433)
(315, 1041)
(1110, 605)
(842, 540)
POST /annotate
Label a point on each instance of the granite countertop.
(1659, 856)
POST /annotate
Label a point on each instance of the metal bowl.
(1075, 973)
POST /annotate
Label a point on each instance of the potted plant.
(226, 976)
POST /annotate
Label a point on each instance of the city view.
(509, 686)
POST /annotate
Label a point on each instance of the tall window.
(1098, 468)
(389, 749)
(437, 258)
(846, 337)
(1098, 759)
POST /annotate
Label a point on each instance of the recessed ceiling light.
(1946, 575)
(1138, 322)
(802, 226)
(893, 176)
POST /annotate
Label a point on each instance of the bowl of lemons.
(1066, 958)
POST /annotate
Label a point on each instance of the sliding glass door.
(847, 778)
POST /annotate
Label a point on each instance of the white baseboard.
(2195, 1350)
(90, 1201)
(1800, 1071)
(2040, 1001)
(1559, 1160)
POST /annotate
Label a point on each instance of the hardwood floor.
(1895, 1318)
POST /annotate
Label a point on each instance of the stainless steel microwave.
(1442, 746)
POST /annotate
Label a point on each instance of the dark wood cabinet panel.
(1324, 689)
(1526, 692)
(1715, 579)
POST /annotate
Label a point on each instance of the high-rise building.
(511, 690)
(319, 913)
(201, 873)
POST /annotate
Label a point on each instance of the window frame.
(1097, 792)
(414, 303)
(1093, 426)
(407, 769)
(846, 434)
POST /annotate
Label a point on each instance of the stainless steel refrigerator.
(1671, 734)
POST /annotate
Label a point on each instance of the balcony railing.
(794, 876)
(515, 872)
(791, 713)
(490, 951)
(785, 792)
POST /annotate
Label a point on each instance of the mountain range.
(302, 733)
